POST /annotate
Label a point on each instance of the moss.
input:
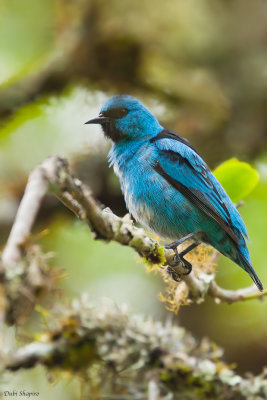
(155, 256)
(80, 356)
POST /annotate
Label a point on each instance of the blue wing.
(185, 170)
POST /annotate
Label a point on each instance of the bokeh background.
(201, 66)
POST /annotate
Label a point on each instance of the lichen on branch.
(129, 355)
(53, 176)
(105, 344)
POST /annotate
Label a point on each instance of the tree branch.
(53, 176)
(232, 296)
(145, 356)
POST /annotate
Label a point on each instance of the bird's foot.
(173, 274)
(180, 266)
(186, 265)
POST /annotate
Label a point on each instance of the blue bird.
(167, 186)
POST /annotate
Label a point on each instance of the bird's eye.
(116, 113)
(124, 111)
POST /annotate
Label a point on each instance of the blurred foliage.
(200, 65)
(238, 178)
(21, 50)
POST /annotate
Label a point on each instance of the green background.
(201, 67)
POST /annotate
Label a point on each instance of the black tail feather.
(252, 273)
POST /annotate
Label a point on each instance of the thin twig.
(231, 296)
(36, 189)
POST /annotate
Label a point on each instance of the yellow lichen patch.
(156, 259)
(203, 258)
(176, 294)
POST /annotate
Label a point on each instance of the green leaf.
(237, 177)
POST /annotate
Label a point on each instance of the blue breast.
(151, 200)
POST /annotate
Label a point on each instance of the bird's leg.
(183, 253)
(180, 256)
(177, 242)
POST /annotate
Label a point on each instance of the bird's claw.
(173, 274)
(179, 266)
(180, 261)
(186, 265)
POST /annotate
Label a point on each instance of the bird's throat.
(111, 132)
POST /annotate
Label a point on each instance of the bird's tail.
(240, 255)
(246, 265)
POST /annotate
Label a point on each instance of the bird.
(168, 187)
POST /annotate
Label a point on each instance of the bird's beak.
(98, 120)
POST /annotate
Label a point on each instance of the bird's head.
(125, 118)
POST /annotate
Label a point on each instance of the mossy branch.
(53, 176)
(136, 357)
(104, 344)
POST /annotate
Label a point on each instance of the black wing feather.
(198, 201)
